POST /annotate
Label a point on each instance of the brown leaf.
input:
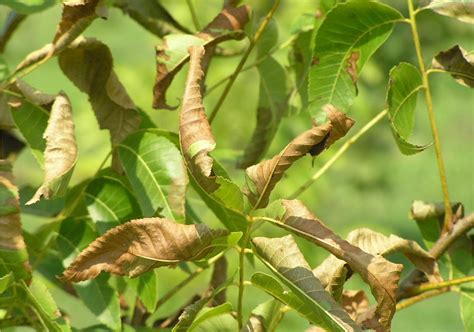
(218, 278)
(225, 26)
(141, 245)
(10, 145)
(61, 150)
(355, 303)
(88, 64)
(262, 178)
(458, 62)
(381, 275)
(195, 135)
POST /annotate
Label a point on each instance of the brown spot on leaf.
(352, 65)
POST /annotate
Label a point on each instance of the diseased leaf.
(355, 303)
(381, 275)
(173, 53)
(458, 62)
(156, 172)
(109, 202)
(405, 82)
(265, 317)
(141, 245)
(88, 64)
(284, 259)
(152, 16)
(263, 177)
(12, 245)
(61, 150)
(462, 10)
(340, 53)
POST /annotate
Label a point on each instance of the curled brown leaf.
(228, 24)
(458, 62)
(140, 245)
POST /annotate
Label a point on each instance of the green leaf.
(467, 306)
(146, 287)
(222, 323)
(6, 281)
(28, 6)
(44, 208)
(156, 172)
(110, 202)
(341, 51)
(40, 298)
(462, 10)
(458, 62)
(284, 259)
(102, 300)
(405, 82)
(208, 314)
(267, 315)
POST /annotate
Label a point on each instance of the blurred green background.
(373, 185)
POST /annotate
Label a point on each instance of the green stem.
(240, 299)
(421, 297)
(186, 281)
(244, 58)
(448, 219)
(339, 153)
(438, 285)
(193, 14)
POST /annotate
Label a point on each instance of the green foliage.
(111, 251)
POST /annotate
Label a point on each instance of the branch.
(421, 297)
(426, 287)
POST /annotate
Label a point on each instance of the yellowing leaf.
(172, 54)
(88, 64)
(61, 150)
(263, 177)
(141, 245)
(381, 275)
(458, 62)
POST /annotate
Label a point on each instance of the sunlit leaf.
(263, 177)
(156, 172)
(341, 51)
(284, 259)
(265, 317)
(109, 202)
(462, 10)
(141, 245)
(458, 62)
(381, 275)
(405, 82)
(146, 287)
(61, 150)
(151, 15)
(88, 64)
(172, 54)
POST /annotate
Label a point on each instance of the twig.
(437, 285)
(339, 153)
(448, 217)
(421, 297)
(244, 58)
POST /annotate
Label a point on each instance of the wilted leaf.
(463, 10)
(262, 178)
(458, 62)
(355, 303)
(88, 64)
(156, 172)
(110, 202)
(173, 53)
(405, 82)
(340, 53)
(152, 16)
(141, 245)
(61, 150)
(12, 246)
(381, 275)
(284, 259)
(265, 317)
